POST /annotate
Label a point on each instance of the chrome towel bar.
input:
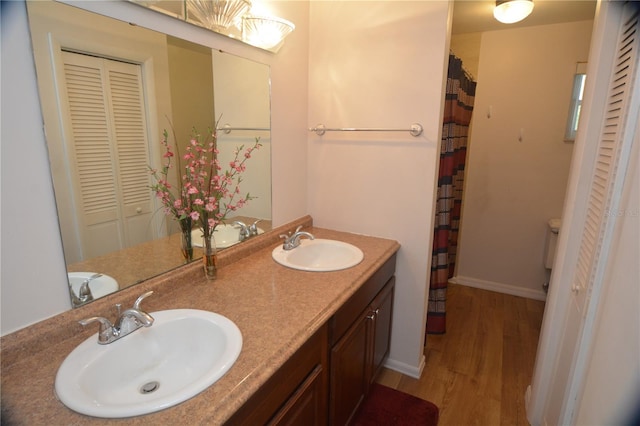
(227, 128)
(414, 130)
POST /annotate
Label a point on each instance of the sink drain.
(149, 387)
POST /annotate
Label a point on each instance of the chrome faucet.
(84, 293)
(247, 231)
(253, 229)
(244, 230)
(128, 321)
(292, 241)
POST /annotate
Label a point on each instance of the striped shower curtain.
(459, 100)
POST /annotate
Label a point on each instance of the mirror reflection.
(108, 90)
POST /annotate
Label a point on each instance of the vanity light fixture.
(265, 31)
(246, 20)
(512, 11)
(218, 15)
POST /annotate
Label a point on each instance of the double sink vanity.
(293, 346)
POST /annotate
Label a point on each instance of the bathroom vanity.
(312, 341)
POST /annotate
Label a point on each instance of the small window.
(576, 103)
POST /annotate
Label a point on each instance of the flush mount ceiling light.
(218, 15)
(265, 31)
(511, 11)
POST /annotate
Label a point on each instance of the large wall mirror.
(108, 90)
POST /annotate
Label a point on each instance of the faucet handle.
(102, 320)
(106, 332)
(136, 304)
(288, 236)
(253, 229)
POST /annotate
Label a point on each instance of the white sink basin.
(225, 236)
(99, 287)
(184, 352)
(319, 255)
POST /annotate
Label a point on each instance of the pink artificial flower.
(194, 215)
(198, 202)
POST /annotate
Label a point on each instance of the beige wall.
(191, 80)
(242, 97)
(382, 64)
(514, 187)
(467, 47)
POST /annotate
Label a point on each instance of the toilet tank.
(553, 227)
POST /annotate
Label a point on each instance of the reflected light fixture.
(218, 15)
(265, 31)
(512, 11)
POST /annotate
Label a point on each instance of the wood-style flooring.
(477, 373)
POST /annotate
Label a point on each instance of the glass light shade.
(217, 15)
(511, 11)
(265, 32)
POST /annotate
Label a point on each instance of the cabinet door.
(382, 307)
(296, 394)
(307, 405)
(350, 362)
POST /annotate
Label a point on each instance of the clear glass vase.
(186, 240)
(209, 256)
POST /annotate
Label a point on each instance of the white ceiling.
(477, 15)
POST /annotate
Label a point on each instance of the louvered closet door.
(130, 136)
(614, 146)
(108, 150)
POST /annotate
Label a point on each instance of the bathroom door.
(612, 158)
(604, 142)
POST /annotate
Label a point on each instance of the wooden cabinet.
(380, 315)
(357, 354)
(296, 394)
(349, 371)
(325, 381)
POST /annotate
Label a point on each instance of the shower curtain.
(460, 95)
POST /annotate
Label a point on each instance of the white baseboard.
(500, 287)
(406, 369)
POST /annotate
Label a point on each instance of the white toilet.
(550, 247)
